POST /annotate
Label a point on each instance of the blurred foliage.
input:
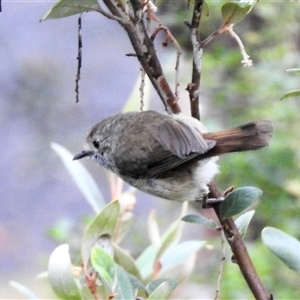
(102, 268)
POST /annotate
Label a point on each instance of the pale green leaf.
(111, 274)
(238, 201)
(162, 292)
(173, 233)
(145, 261)
(233, 12)
(297, 70)
(123, 288)
(205, 9)
(153, 230)
(177, 254)
(103, 263)
(42, 275)
(153, 285)
(24, 290)
(82, 177)
(284, 246)
(294, 93)
(123, 259)
(243, 221)
(199, 219)
(66, 8)
(102, 226)
(127, 201)
(136, 283)
(60, 274)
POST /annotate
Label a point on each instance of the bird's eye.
(96, 144)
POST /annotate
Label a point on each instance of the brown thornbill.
(169, 156)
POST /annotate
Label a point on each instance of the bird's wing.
(179, 143)
(171, 144)
(182, 139)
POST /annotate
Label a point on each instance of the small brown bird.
(168, 156)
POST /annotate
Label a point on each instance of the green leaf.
(66, 8)
(103, 263)
(60, 274)
(136, 283)
(102, 226)
(239, 200)
(199, 219)
(124, 288)
(205, 9)
(153, 229)
(243, 221)
(83, 179)
(127, 200)
(284, 246)
(233, 12)
(297, 70)
(145, 261)
(42, 275)
(173, 234)
(178, 254)
(162, 292)
(153, 285)
(123, 259)
(60, 231)
(294, 93)
(24, 290)
(112, 275)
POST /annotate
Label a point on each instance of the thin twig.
(147, 9)
(246, 61)
(150, 8)
(194, 86)
(144, 49)
(141, 88)
(79, 58)
(171, 38)
(126, 5)
(210, 38)
(221, 269)
(110, 16)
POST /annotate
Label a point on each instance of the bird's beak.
(83, 154)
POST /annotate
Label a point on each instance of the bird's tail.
(250, 136)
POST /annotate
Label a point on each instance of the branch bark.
(194, 86)
(239, 251)
(144, 49)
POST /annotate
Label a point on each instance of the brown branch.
(90, 281)
(194, 86)
(144, 49)
(170, 38)
(221, 269)
(79, 58)
(239, 251)
(141, 88)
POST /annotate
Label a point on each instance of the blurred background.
(37, 107)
